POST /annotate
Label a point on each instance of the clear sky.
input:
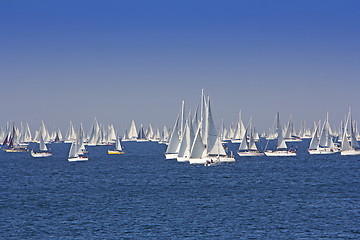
(122, 60)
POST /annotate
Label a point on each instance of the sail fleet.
(194, 138)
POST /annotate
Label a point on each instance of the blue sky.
(124, 60)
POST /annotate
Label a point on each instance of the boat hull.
(322, 151)
(280, 154)
(226, 159)
(41, 154)
(16, 150)
(182, 159)
(171, 155)
(198, 160)
(249, 154)
(115, 152)
(78, 159)
(350, 153)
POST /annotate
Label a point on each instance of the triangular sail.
(73, 150)
(243, 145)
(314, 143)
(252, 144)
(198, 148)
(174, 138)
(118, 144)
(42, 144)
(354, 143)
(184, 149)
(132, 132)
(211, 132)
(280, 140)
(345, 145)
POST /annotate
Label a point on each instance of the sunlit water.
(140, 195)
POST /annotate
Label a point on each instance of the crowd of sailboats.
(194, 138)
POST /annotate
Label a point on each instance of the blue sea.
(140, 195)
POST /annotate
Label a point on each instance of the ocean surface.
(140, 195)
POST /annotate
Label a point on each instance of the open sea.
(141, 195)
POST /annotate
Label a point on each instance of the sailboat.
(13, 142)
(74, 153)
(248, 149)
(210, 149)
(71, 135)
(174, 142)
(118, 149)
(349, 148)
(281, 149)
(323, 144)
(43, 150)
(141, 136)
(164, 136)
(239, 132)
(185, 143)
(290, 134)
(132, 135)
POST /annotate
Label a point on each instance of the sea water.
(141, 195)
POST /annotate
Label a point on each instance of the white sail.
(132, 132)
(80, 143)
(118, 146)
(27, 137)
(314, 143)
(94, 131)
(354, 143)
(217, 149)
(288, 129)
(165, 135)
(157, 135)
(174, 138)
(240, 128)
(210, 130)
(59, 135)
(345, 145)
(73, 150)
(198, 148)
(243, 145)
(280, 141)
(125, 136)
(150, 133)
(42, 144)
(252, 144)
(184, 149)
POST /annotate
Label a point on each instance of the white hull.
(41, 154)
(209, 159)
(350, 152)
(236, 141)
(279, 154)
(249, 154)
(142, 140)
(182, 159)
(226, 159)
(198, 160)
(171, 155)
(323, 151)
(78, 159)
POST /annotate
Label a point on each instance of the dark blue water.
(140, 195)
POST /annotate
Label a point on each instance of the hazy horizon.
(137, 60)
